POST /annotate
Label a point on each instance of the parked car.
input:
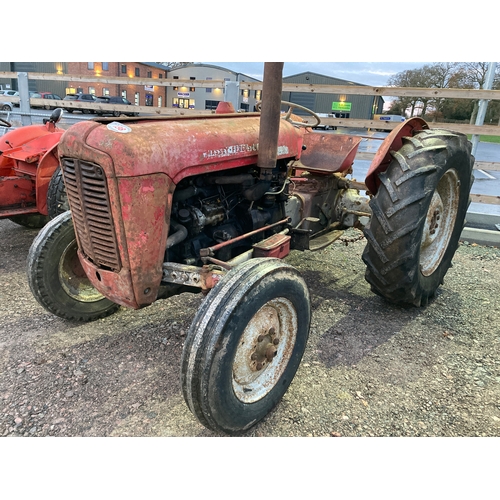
(6, 106)
(16, 94)
(50, 95)
(87, 98)
(11, 93)
(114, 100)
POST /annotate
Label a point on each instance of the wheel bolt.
(270, 352)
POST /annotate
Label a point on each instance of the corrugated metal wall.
(361, 106)
(37, 67)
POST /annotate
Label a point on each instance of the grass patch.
(487, 138)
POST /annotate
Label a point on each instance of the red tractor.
(31, 185)
(213, 204)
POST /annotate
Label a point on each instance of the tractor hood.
(177, 146)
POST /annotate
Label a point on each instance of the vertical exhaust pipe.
(270, 118)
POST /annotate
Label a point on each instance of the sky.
(366, 73)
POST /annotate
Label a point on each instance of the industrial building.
(342, 105)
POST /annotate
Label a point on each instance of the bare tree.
(174, 65)
(476, 79)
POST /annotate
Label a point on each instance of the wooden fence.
(287, 87)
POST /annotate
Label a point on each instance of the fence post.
(232, 93)
(24, 98)
(483, 104)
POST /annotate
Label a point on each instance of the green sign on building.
(341, 106)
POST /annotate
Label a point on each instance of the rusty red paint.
(328, 153)
(26, 165)
(182, 148)
(392, 142)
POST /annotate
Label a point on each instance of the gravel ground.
(370, 368)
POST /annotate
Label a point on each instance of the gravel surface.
(370, 368)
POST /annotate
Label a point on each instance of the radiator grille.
(88, 197)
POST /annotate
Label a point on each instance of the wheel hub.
(73, 278)
(264, 350)
(439, 223)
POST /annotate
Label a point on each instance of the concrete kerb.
(482, 229)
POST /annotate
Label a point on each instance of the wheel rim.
(440, 222)
(264, 350)
(73, 278)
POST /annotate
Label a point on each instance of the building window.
(244, 93)
(160, 75)
(137, 72)
(136, 98)
(105, 66)
(208, 89)
(149, 99)
(124, 69)
(244, 107)
(211, 104)
(258, 94)
(105, 91)
(175, 77)
(90, 65)
(150, 74)
(160, 102)
(192, 77)
(180, 102)
(92, 90)
(191, 89)
(124, 94)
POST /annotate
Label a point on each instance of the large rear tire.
(57, 199)
(56, 277)
(418, 214)
(32, 221)
(245, 345)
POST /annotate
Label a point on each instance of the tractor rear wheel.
(418, 214)
(56, 277)
(245, 344)
(57, 199)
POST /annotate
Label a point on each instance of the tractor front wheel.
(418, 214)
(56, 277)
(245, 344)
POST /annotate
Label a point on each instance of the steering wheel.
(292, 106)
(6, 122)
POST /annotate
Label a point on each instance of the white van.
(389, 118)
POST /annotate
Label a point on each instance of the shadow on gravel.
(369, 322)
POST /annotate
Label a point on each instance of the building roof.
(213, 66)
(328, 77)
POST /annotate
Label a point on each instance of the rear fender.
(392, 142)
